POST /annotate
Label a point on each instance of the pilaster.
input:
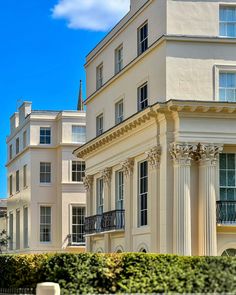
(153, 157)
(127, 167)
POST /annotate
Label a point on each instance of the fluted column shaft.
(208, 159)
(182, 156)
(88, 184)
(127, 167)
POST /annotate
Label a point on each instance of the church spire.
(80, 106)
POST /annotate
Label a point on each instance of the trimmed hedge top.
(121, 273)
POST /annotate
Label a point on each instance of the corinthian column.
(127, 167)
(154, 157)
(208, 158)
(106, 175)
(88, 185)
(182, 155)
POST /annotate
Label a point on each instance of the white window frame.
(25, 176)
(26, 226)
(118, 116)
(17, 181)
(99, 76)
(99, 125)
(77, 137)
(141, 41)
(99, 195)
(227, 6)
(17, 145)
(46, 172)
(24, 139)
(139, 94)
(18, 229)
(119, 186)
(140, 195)
(71, 223)
(119, 59)
(43, 224)
(216, 79)
(82, 172)
(45, 136)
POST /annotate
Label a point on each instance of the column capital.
(106, 175)
(208, 153)
(154, 156)
(182, 153)
(88, 182)
(128, 166)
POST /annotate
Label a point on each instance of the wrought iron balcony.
(226, 212)
(108, 221)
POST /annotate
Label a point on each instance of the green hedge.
(123, 273)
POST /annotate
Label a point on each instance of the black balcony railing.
(93, 224)
(108, 221)
(226, 212)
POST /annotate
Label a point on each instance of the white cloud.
(96, 15)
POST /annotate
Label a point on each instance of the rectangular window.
(17, 181)
(119, 111)
(119, 59)
(10, 152)
(17, 145)
(24, 139)
(78, 171)
(99, 76)
(227, 83)
(99, 124)
(228, 21)
(45, 172)
(143, 97)
(26, 242)
(227, 177)
(11, 185)
(78, 134)
(143, 194)
(119, 190)
(11, 231)
(17, 229)
(45, 135)
(45, 224)
(78, 217)
(100, 196)
(25, 176)
(143, 38)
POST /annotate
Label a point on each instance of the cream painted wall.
(60, 194)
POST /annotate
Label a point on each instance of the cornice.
(169, 108)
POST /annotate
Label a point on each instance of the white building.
(46, 199)
(161, 107)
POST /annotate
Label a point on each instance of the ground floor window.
(45, 224)
(78, 217)
(11, 231)
(229, 252)
(143, 194)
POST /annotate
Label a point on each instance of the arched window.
(229, 252)
(143, 250)
(119, 251)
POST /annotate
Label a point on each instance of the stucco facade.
(42, 191)
(154, 180)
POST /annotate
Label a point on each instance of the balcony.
(108, 221)
(226, 212)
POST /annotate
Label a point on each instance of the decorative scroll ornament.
(88, 182)
(154, 156)
(106, 175)
(208, 153)
(182, 153)
(128, 166)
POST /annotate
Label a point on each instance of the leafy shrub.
(121, 273)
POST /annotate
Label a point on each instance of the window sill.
(45, 184)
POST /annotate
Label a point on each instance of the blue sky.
(43, 44)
